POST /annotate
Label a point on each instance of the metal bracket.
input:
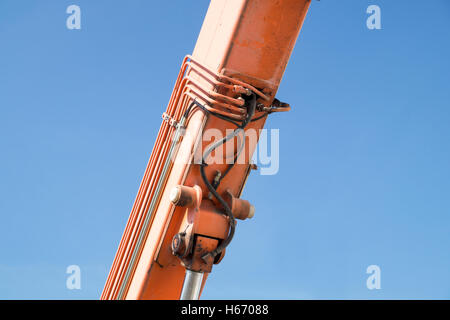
(171, 121)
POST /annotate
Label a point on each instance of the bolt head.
(178, 245)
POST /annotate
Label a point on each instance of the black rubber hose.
(250, 112)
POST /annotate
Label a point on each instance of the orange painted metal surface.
(243, 45)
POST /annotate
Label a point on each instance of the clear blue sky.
(364, 158)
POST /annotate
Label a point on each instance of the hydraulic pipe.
(192, 285)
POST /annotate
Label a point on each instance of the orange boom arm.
(184, 213)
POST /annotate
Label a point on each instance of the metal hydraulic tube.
(192, 285)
